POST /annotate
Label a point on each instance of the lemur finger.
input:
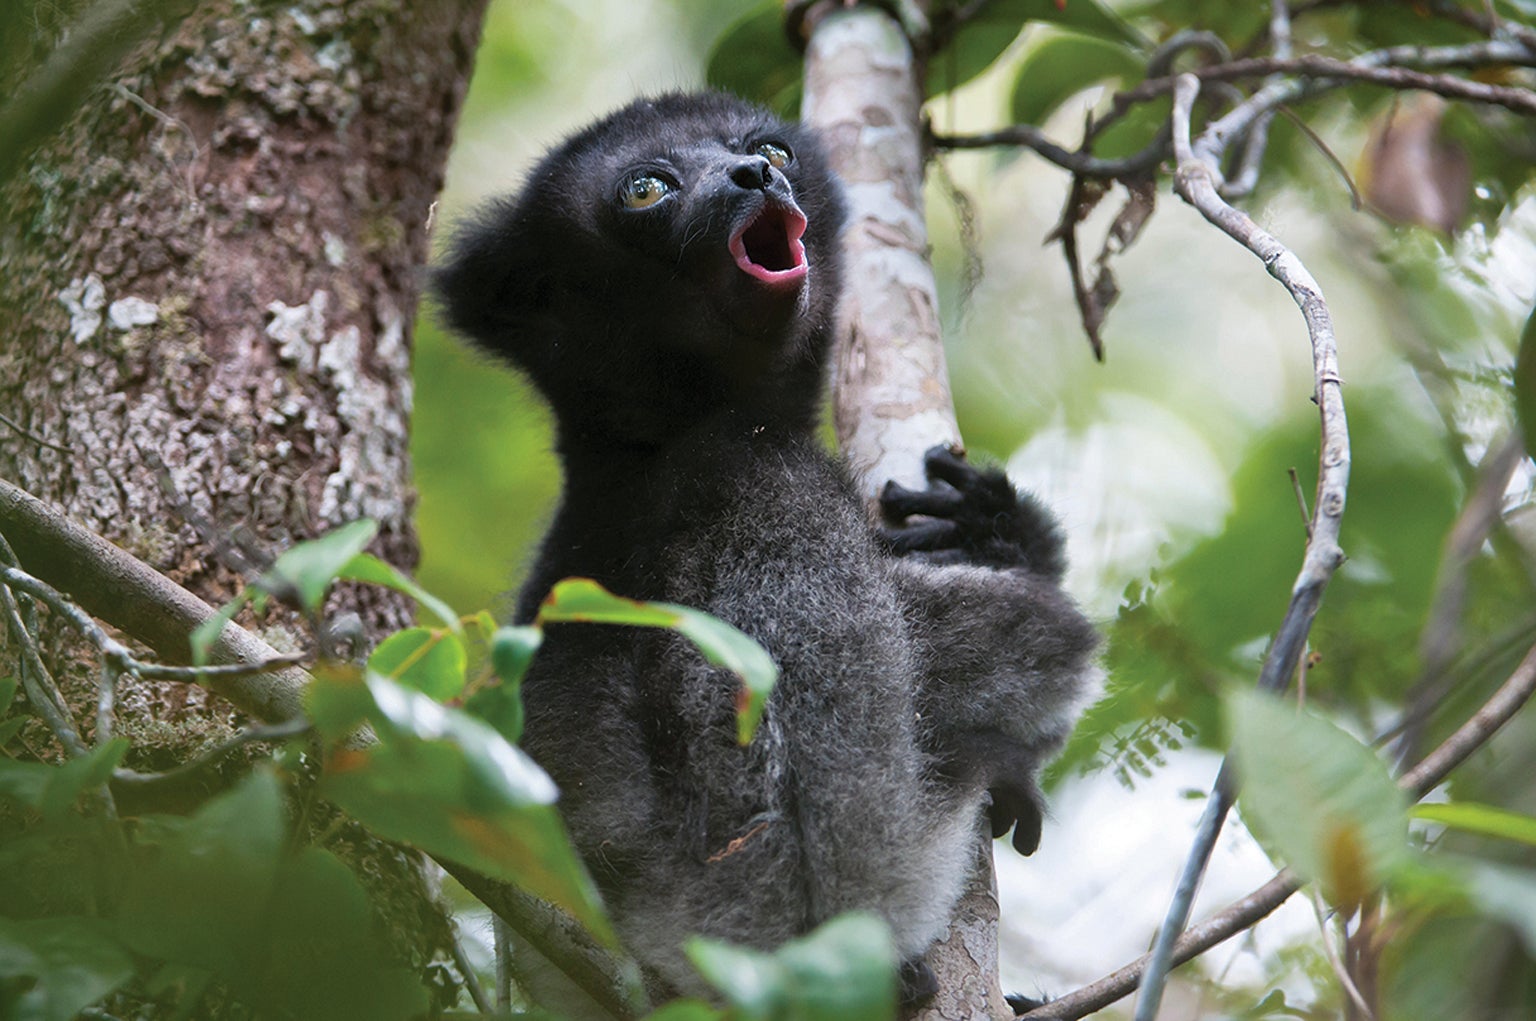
(944, 464)
(900, 502)
(925, 535)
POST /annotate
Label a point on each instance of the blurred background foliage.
(1169, 462)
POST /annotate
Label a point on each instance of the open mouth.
(769, 246)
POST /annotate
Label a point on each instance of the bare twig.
(1195, 181)
(1243, 914)
(1079, 162)
(1258, 139)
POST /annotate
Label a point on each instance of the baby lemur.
(668, 278)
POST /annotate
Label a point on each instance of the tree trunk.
(213, 266)
(208, 277)
(891, 398)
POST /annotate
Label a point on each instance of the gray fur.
(920, 669)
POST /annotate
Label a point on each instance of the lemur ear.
(491, 280)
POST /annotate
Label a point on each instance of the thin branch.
(17, 427)
(275, 732)
(1247, 912)
(42, 693)
(1257, 141)
(1313, 73)
(1079, 162)
(1195, 181)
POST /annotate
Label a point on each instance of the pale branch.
(1257, 140)
(1195, 182)
(116, 587)
(42, 693)
(1242, 914)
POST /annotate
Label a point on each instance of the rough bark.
(891, 397)
(208, 276)
(213, 266)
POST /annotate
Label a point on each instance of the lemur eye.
(643, 191)
(774, 153)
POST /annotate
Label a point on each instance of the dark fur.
(923, 665)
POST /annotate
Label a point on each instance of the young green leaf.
(843, 971)
(583, 600)
(368, 568)
(307, 569)
(428, 660)
(1318, 796)
(449, 784)
(1486, 820)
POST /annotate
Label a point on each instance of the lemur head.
(679, 255)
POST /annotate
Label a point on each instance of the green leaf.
(347, 973)
(200, 884)
(994, 27)
(1525, 383)
(451, 785)
(429, 660)
(1318, 796)
(73, 777)
(207, 633)
(583, 600)
(337, 700)
(307, 569)
(1505, 893)
(754, 59)
(10, 728)
(1486, 820)
(843, 971)
(53, 968)
(7, 693)
(1064, 64)
(368, 568)
(512, 650)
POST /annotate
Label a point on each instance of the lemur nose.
(753, 172)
